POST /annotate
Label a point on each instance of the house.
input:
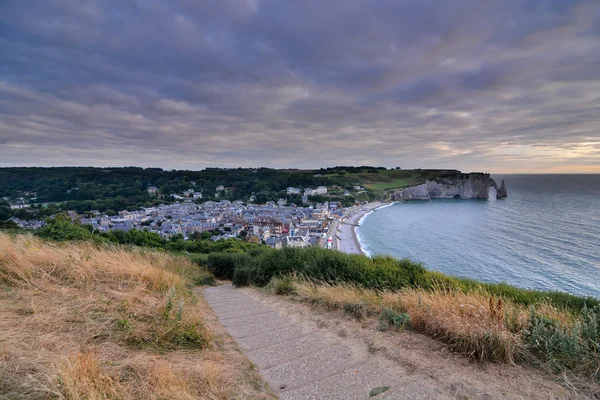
(197, 195)
(320, 190)
(309, 192)
(220, 188)
(281, 202)
(274, 243)
(152, 190)
(275, 225)
(346, 193)
(265, 233)
(296, 241)
(293, 190)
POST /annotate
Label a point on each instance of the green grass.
(574, 348)
(282, 286)
(395, 184)
(380, 273)
(526, 297)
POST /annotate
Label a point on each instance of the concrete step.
(270, 338)
(302, 362)
(313, 367)
(269, 323)
(270, 356)
(246, 319)
(354, 383)
(260, 310)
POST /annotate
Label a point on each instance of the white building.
(293, 190)
(296, 241)
(321, 190)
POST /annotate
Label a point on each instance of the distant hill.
(113, 189)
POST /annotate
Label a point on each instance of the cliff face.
(459, 185)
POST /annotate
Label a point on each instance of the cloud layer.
(504, 86)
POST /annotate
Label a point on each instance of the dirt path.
(306, 354)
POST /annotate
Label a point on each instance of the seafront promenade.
(345, 239)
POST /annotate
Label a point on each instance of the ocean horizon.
(545, 235)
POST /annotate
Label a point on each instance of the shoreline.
(348, 239)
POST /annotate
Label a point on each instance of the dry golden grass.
(475, 324)
(82, 322)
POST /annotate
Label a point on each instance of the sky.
(497, 85)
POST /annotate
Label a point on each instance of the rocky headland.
(474, 185)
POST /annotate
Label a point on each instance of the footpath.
(302, 360)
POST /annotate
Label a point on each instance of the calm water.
(545, 235)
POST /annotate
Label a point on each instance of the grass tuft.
(282, 285)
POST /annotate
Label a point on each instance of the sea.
(545, 235)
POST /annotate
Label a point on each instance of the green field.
(383, 180)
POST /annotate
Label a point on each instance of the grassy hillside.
(496, 322)
(380, 180)
(78, 321)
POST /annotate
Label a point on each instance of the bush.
(282, 286)
(260, 266)
(357, 310)
(392, 319)
(223, 265)
(204, 278)
(61, 229)
(199, 259)
(576, 348)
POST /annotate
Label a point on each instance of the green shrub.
(223, 265)
(575, 348)
(259, 267)
(123, 325)
(199, 259)
(356, 310)
(391, 319)
(204, 278)
(240, 277)
(62, 229)
(282, 286)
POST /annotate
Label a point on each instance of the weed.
(282, 286)
(169, 304)
(562, 347)
(356, 310)
(123, 325)
(378, 390)
(204, 279)
(391, 319)
(180, 305)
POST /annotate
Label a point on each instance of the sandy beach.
(346, 239)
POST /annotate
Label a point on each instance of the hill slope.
(82, 322)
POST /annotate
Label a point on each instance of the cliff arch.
(500, 191)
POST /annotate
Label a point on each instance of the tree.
(62, 229)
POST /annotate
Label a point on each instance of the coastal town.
(276, 224)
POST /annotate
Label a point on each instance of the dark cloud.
(499, 85)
